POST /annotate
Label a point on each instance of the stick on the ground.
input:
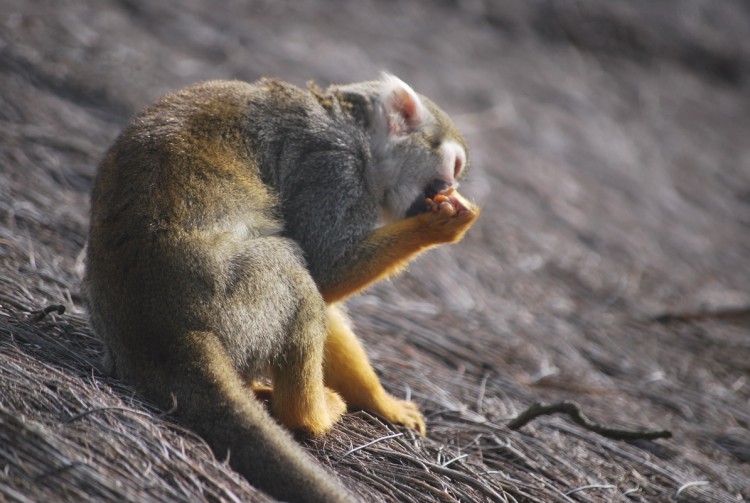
(574, 411)
(42, 313)
(726, 313)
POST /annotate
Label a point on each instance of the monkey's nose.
(435, 187)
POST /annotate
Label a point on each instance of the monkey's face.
(417, 151)
(451, 168)
(425, 163)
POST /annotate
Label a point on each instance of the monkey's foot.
(314, 415)
(400, 412)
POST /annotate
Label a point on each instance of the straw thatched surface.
(610, 266)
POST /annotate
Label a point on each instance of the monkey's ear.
(404, 110)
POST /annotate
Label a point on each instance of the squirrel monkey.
(229, 219)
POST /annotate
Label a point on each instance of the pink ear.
(407, 106)
(403, 108)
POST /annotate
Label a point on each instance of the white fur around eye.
(454, 160)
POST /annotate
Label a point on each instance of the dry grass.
(71, 434)
(609, 266)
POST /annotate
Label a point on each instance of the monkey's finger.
(446, 209)
(431, 205)
(465, 219)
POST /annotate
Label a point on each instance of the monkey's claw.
(402, 412)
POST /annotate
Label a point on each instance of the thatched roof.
(610, 266)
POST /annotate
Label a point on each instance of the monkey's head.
(417, 152)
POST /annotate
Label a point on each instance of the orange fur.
(347, 370)
(399, 242)
(346, 366)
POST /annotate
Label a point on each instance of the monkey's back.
(178, 206)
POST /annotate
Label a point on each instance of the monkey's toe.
(403, 412)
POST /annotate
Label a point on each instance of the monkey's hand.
(449, 218)
(389, 248)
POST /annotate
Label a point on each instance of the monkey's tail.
(212, 400)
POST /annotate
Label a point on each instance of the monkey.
(230, 221)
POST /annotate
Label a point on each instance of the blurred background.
(610, 147)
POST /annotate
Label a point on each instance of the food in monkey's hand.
(449, 201)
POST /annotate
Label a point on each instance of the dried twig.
(726, 313)
(40, 314)
(574, 411)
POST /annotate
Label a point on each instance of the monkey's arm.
(388, 249)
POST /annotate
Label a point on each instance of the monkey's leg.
(348, 371)
(299, 399)
(272, 298)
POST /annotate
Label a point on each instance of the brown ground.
(611, 266)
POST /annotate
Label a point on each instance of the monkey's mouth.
(421, 203)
